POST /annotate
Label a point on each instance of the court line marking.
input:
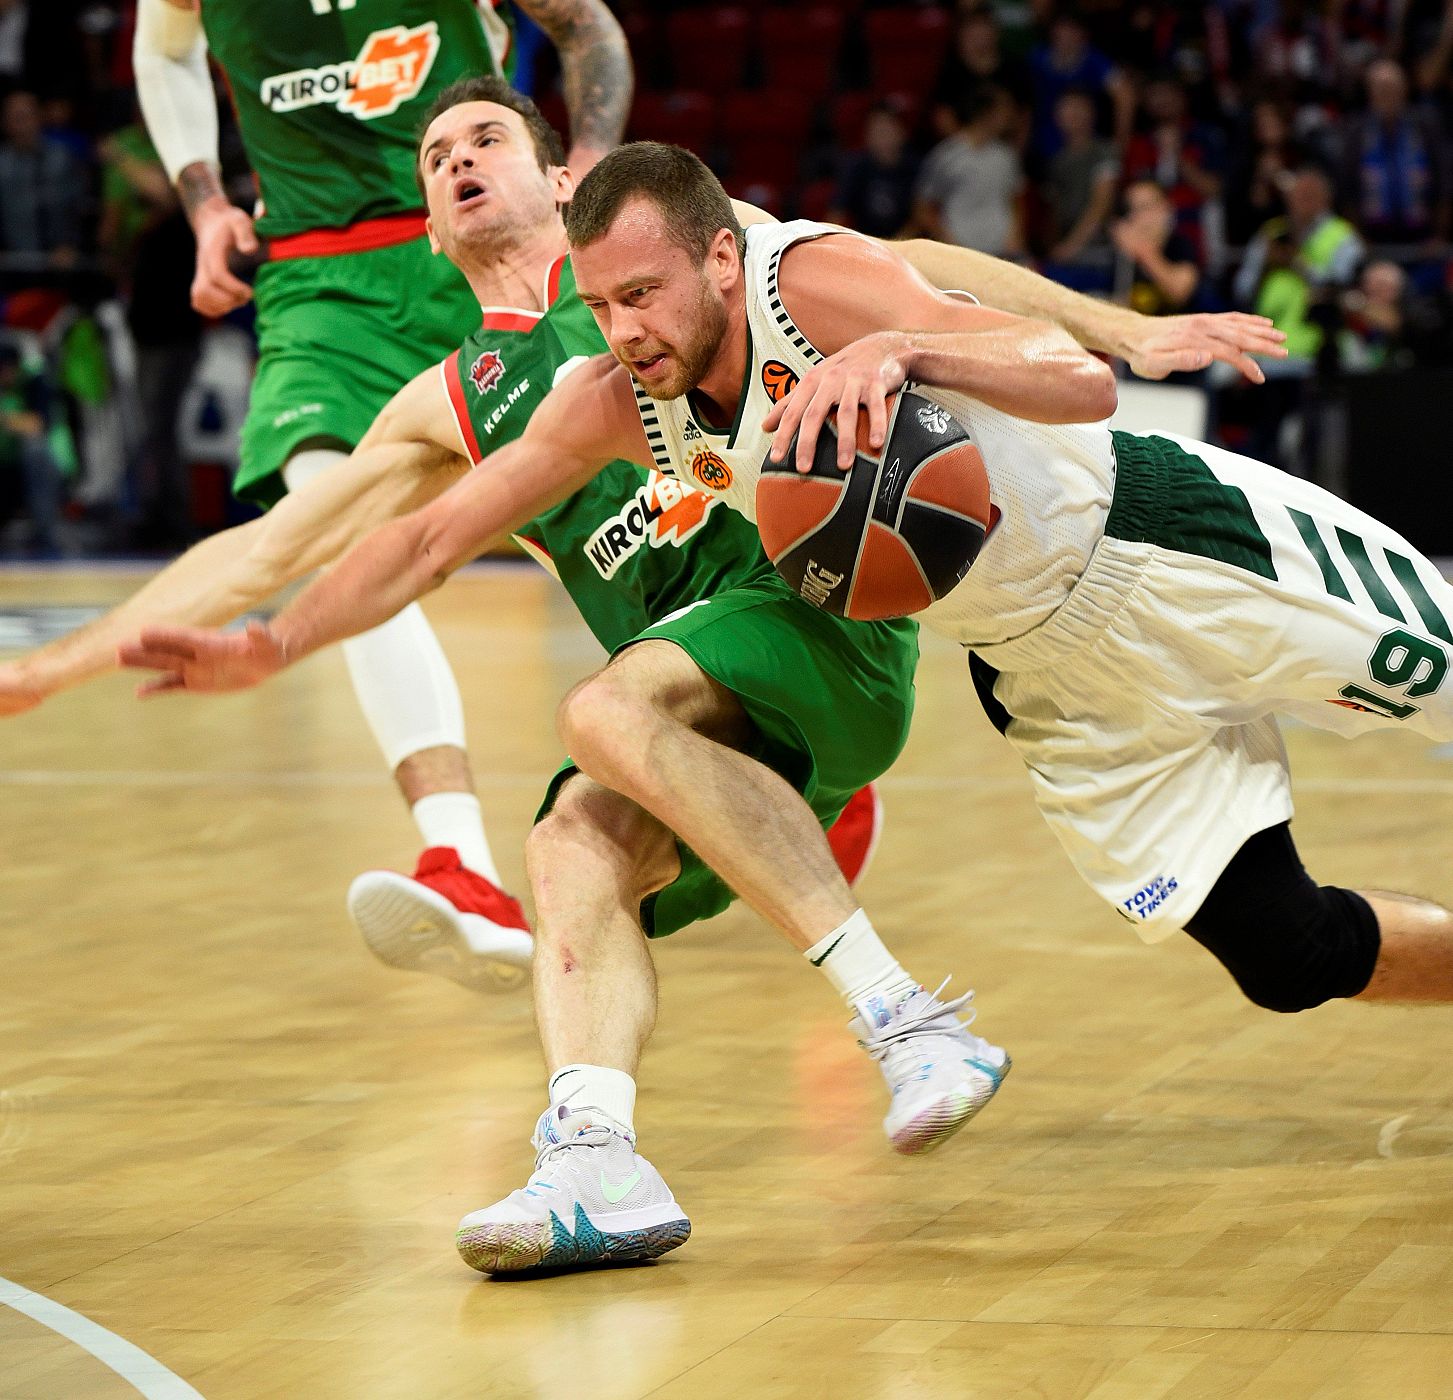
(145, 1374)
(203, 777)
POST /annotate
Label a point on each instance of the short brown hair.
(549, 149)
(691, 200)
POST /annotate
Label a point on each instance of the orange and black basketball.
(897, 531)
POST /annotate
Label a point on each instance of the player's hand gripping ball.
(898, 531)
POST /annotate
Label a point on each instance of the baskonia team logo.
(709, 469)
(389, 70)
(487, 371)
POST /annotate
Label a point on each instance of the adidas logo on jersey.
(389, 70)
(661, 512)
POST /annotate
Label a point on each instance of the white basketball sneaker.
(939, 1074)
(591, 1200)
(447, 920)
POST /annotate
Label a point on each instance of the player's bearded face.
(673, 352)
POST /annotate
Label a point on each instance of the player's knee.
(590, 824)
(1291, 945)
(603, 724)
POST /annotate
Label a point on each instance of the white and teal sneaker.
(590, 1201)
(938, 1073)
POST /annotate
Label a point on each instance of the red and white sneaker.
(446, 920)
(854, 835)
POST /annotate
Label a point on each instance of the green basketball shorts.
(830, 700)
(337, 338)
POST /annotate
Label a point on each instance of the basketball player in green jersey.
(329, 95)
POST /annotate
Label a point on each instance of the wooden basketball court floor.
(231, 1140)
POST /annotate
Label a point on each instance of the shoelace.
(935, 1017)
(545, 1152)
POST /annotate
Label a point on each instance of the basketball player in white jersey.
(1146, 725)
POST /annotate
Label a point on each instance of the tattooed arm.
(596, 69)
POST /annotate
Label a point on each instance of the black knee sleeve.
(1290, 943)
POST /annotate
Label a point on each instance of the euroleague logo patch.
(389, 70)
(709, 469)
(487, 371)
(778, 380)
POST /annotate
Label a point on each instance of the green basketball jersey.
(631, 546)
(330, 95)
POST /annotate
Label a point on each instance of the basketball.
(893, 534)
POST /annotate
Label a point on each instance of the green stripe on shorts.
(1317, 546)
(1355, 548)
(1428, 610)
(1166, 496)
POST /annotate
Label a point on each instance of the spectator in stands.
(1389, 325)
(1294, 271)
(1158, 271)
(977, 57)
(1297, 261)
(1268, 155)
(28, 469)
(969, 190)
(42, 188)
(1395, 180)
(145, 236)
(1069, 60)
(1079, 189)
(14, 18)
(875, 194)
(1184, 158)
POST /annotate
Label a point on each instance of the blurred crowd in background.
(1292, 157)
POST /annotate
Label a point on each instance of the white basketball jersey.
(1052, 485)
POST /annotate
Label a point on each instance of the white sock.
(860, 968)
(612, 1091)
(453, 819)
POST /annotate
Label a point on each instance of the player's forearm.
(595, 70)
(385, 572)
(1095, 324)
(1032, 370)
(211, 583)
(174, 86)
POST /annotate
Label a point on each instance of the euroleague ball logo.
(389, 70)
(710, 470)
(487, 371)
(778, 380)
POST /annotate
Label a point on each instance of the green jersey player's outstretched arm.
(588, 421)
(405, 460)
(1153, 346)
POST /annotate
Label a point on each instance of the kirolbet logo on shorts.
(389, 70)
(487, 371)
(663, 511)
